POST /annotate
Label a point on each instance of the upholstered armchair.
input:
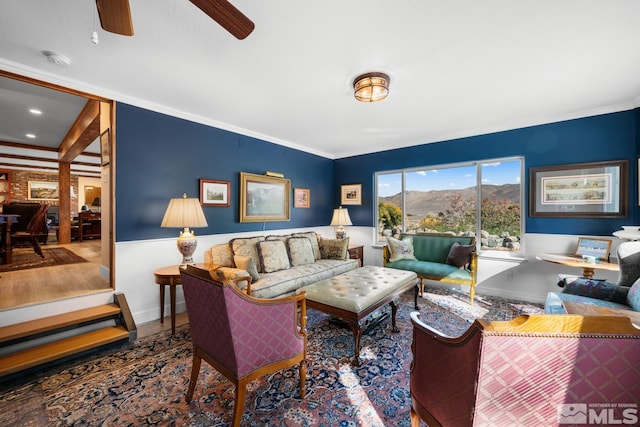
(528, 371)
(242, 337)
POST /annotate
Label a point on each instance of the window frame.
(478, 184)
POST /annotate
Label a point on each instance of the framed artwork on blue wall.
(264, 198)
(598, 190)
(351, 194)
(215, 193)
(301, 198)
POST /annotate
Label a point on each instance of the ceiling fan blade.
(225, 14)
(115, 16)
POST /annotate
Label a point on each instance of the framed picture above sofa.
(264, 198)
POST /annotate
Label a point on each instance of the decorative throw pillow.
(239, 276)
(400, 249)
(219, 255)
(300, 251)
(633, 297)
(273, 256)
(335, 248)
(247, 264)
(460, 255)
(313, 238)
(246, 246)
(282, 237)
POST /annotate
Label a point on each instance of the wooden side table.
(169, 276)
(357, 252)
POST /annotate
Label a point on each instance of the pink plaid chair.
(532, 371)
(242, 337)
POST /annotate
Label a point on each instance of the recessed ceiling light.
(30, 135)
(35, 111)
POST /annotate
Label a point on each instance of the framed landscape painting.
(39, 190)
(264, 198)
(215, 193)
(599, 248)
(596, 190)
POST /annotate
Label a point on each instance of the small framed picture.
(351, 194)
(105, 153)
(588, 246)
(301, 198)
(215, 193)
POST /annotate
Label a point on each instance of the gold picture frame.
(351, 194)
(264, 198)
(590, 246)
(42, 190)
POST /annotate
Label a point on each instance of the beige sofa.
(278, 265)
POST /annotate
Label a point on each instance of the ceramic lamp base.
(187, 244)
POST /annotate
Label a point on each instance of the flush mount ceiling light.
(371, 87)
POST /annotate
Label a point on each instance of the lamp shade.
(340, 217)
(184, 213)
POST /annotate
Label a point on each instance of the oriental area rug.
(25, 258)
(144, 383)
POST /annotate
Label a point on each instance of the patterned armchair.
(242, 337)
(533, 370)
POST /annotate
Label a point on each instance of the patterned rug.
(25, 258)
(145, 383)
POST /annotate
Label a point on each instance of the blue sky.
(455, 178)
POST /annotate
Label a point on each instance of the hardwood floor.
(37, 285)
(154, 327)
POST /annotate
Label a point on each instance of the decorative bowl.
(631, 227)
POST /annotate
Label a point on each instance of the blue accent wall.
(599, 138)
(159, 157)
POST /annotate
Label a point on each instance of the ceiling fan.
(115, 16)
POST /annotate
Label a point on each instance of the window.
(480, 198)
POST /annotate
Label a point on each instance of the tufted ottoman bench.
(354, 295)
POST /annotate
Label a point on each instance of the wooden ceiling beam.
(82, 133)
(45, 159)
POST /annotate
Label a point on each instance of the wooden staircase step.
(57, 322)
(46, 353)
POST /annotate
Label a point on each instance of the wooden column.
(64, 211)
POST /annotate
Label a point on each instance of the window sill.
(502, 256)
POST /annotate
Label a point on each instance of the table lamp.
(184, 213)
(340, 218)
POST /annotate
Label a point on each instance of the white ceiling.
(458, 68)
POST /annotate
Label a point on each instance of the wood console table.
(573, 261)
